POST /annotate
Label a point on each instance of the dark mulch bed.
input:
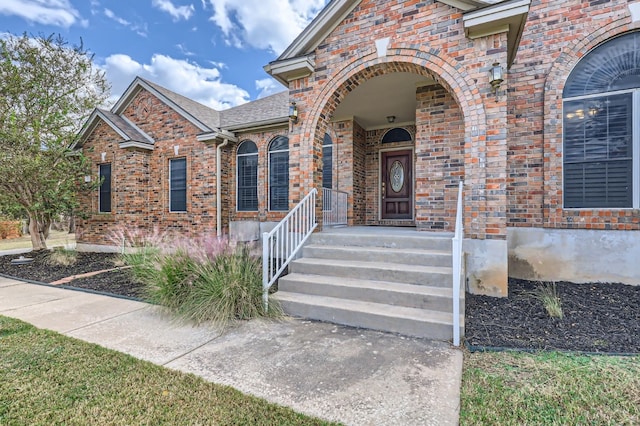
(598, 317)
(119, 282)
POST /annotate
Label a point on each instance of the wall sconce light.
(103, 156)
(293, 112)
(495, 77)
(391, 118)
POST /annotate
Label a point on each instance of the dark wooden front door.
(397, 185)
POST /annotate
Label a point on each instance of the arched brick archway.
(554, 214)
(442, 71)
(461, 87)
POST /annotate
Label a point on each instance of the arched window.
(601, 102)
(327, 162)
(279, 174)
(247, 177)
(397, 134)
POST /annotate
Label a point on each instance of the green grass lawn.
(56, 239)
(550, 389)
(47, 379)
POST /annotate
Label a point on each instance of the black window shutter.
(598, 158)
(248, 182)
(178, 184)
(105, 188)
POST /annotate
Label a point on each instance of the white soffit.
(507, 16)
(634, 10)
(465, 5)
(134, 144)
(290, 69)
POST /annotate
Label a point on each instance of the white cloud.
(177, 12)
(201, 84)
(263, 24)
(183, 49)
(59, 13)
(109, 14)
(140, 29)
(268, 86)
(95, 7)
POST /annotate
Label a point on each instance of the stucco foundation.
(97, 248)
(486, 267)
(575, 255)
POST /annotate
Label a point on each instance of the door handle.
(384, 190)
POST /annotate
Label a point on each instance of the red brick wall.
(140, 178)
(508, 148)
(556, 36)
(426, 38)
(343, 145)
(262, 140)
(439, 158)
(360, 182)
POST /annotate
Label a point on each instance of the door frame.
(413, 183)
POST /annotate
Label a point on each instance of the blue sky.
(212, 51)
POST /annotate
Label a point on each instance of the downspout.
(219, 186)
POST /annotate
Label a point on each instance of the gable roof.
(205, 118)
(203, 113)
(270, 110)
(266, 112)
(131, 135)
(335, 12)
(294, 62)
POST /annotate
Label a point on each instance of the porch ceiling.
(387, 95)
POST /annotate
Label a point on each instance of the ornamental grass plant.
(61, 257)
(548, 295)
(202, 279)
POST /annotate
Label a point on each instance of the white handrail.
(280, 245)
(457, 266)
(334, 207)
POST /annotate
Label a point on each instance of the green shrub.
(202, 279)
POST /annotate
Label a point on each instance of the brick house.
(395, 105)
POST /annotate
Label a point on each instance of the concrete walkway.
(358, 377)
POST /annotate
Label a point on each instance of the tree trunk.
(72, 224)
(38, 240)
(45, 226)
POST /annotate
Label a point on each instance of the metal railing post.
(282, 243)
(456, 248)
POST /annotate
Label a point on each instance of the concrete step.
(391, 293)
(409, 240)
(380, 254)
(376, 316)
(435, 276)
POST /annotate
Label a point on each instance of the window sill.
(598, 209)
(103, 217)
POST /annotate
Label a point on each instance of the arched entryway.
(399, 143)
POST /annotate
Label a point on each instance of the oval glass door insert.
(396, 176)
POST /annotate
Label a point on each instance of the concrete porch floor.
(410, 231)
